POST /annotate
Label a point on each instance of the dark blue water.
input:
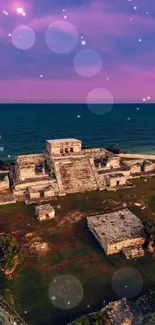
(25, 128)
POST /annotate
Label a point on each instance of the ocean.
(24, 128)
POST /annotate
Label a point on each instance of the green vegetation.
(74, 251)
(94, 319)
(10, 254)
(150, 234)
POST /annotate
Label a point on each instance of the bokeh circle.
(65, 292)
(23, 37)
(100, 101)
(127, 283)
(87, 63)
(61, 37)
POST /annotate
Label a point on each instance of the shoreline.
(126, 153)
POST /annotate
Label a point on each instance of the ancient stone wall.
(133, 252)
(4, 185)
(30, 159)
(135, 169)
(117, 247)
(149, 168)
(27, 172)
(7, 198)
(34, 195)
(41, 183)
(114, 162)
(104, 172)
(100, 183)
(95, 152)
(49, 192)
(113, 181)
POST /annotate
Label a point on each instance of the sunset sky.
(63, 50)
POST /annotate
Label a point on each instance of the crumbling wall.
(135, 169)
(34, 195)
(114, 162)
(49, 192)
(122, 181)
(4, 184)
(117, 247)
(27, 172)
(30, 159)
(149, 168)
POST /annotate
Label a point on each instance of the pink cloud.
(123, 87)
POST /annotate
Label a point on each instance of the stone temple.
(66, 167)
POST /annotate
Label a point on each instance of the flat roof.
(44, 207)
(116, 226)
(63, 140)
(32, 159)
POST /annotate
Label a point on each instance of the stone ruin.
(66, 167)
(44, 212)
(118, 231)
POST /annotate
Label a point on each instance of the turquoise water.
(25, 128)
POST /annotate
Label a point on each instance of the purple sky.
(120, 37)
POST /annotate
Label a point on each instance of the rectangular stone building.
(63, 146)
(118, 230)
(115, 180)
(44, 212)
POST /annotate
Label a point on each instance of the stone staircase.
(59, 178)
(100, 182)
(77, 175)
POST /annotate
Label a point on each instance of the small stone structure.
(116, 180)
(63, 146)
(44, 212)
(118, 313)
(117, 231)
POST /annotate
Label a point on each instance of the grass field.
(73, 250)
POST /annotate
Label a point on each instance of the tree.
(10, 254)
(94, 319)
(149, 227)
